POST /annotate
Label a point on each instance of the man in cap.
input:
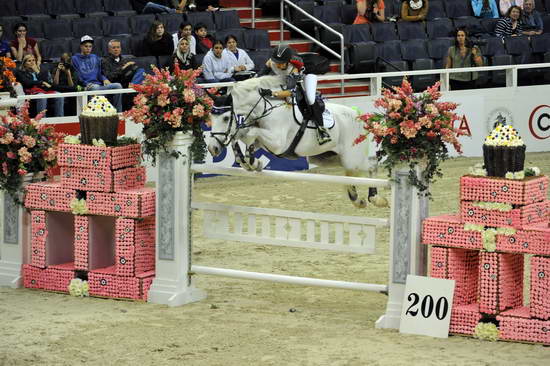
(286, 63)
(88, 67)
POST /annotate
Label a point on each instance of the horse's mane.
(245, 93)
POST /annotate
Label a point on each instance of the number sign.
(427, 306)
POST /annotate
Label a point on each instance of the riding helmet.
(282, 54)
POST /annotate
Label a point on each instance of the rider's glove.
(265, 92)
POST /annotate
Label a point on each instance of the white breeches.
(310, 88)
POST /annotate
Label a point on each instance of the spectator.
(36, 81)
(203, 40)
(158, 42)
(510, 26)
(206, 5)
(504, 5)
(531, 20)
(462, 54)
(88, 68)
(185, 31)
(414, 10)
(369, 11)
(239, 60)
(159, 6)
(65, 78)
(184, 57)
(23, 45)
(4, 46)
(216, 66)
(485, 9)
(119, 69)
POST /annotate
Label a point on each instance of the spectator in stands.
(463, 54)
(4, 46)
(241, 63)
(414, 10)
(185, 31)
(184, 57)
(369, 11)
(485, 9)
(159, 6)
(511, 25)
(216, 65)
(88, 67)
(119, 69)
(65, 78)
(37, 81)
(206, 5)
(531, 20)
(204, 42)
(504, 5)
(23, 45)
(158, 42)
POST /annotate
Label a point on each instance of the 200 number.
(427, 306)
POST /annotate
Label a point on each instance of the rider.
(285, 62)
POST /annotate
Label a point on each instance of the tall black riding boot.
(317, 117)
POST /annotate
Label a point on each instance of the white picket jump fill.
(298, 229)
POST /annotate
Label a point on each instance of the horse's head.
(222, 123)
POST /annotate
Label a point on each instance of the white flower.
(98, 142)
(70, 139)
(486, 331)
(509, 175)
(78, 288)
(519, 175)
(79, 207)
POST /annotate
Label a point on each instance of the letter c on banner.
(539, 122)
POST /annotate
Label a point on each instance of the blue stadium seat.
(118, 7)
(498, 78)
(395, 66)
(90, 8)
(35, 28)
(472, 24)
(239, 33)
(330, 39)
(171, 21)
(301, 21)
(140, 24)
(519, 48)
(457, 9)
(164, 61)
(421, 82)
(62, 9)
(493, 46)
(414, 49)
(89, 26)
(540, 44)
(256, 39)
(259, 57)
(32, 9)
(382, 32)
(145, 63)
(411, 30)
(115, 25)
(438, 49)
(389, 50)
(52, 49)
(349, 12)
(357, 33)
(226, 19)
(439, 28)
(204, 17)
(436, 10)
(488, 26)
(392, 8)
(328, 13)
(58, 29)
(8, 23)
(362, 57)
(8, 8)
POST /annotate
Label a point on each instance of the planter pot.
(104, 128)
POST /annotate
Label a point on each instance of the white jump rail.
(175, 272)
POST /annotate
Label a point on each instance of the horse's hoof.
(246, 166)
(379, 201)
(360, 203)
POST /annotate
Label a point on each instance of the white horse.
(271, 124)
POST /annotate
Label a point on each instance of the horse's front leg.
(240, 158)
(253, 163)
(274, 141)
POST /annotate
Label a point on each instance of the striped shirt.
(504, 28)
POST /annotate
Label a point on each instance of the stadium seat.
(438, 49)
(436, 10)
(118, 7)
(8, 23)
(89, 26)
(145, 63)
(259, 57)
(204, 17)
(457, 9)
(414, 49)
(546, 5)
(256, 39)
(8, 8)
(330, 39)
(349, 12)
(136, 45)
(238, 33)
(488, 26)
(90, 8)
(498, 78)
(471, 24)
(439, 28)
(227, 19)
(140, 24)
(382, 32)
(392, 9)
(300, 20)
(546, 23)
(411, 30)
(35, 28)
(493, 46)
(115, 25)
(328, 13)
(362, 57)
(62, 9)
(52, 49)
(58, 29)
(540, 44)
(540, 6)
(519, 47)
(393, 66)
(389, 51)
(171, 21)
(421, 82)
(199, 57)
(357, 33)
(164, 61)
(32, 9)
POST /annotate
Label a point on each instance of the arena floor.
(249, 322)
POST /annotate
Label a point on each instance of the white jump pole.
(173, 283)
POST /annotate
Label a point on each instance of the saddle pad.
(328, 118)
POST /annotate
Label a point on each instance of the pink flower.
(394, 104)
(21, 171)
(432, 109)
(198, 110)
(7, 138)
(425, 122)
(409, 128)
(24, 155)
(11, 155)
(189, 96)
(50, 154)
(431, 135)
(163, 100)
(5, 168)
(29, 141)
(394, 115)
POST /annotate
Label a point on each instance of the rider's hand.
(265, 92)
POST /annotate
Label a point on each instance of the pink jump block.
(464, 319)
(460, 265)
(105, 282)
(516, 192)
(540, 288)
(135, 246)
(135, 203)
(533, 239)
(97, 157)
(517, 218)
(53, 278)
(517, 325)
(50, 196)
(81, 252)
(448, 231)
(103, 180)
(500, 282)
(38, 238)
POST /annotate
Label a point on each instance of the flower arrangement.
(6, 75)
(413, 128)
(486, 331)
(79, 288)
(167, 103)
(26, 146)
